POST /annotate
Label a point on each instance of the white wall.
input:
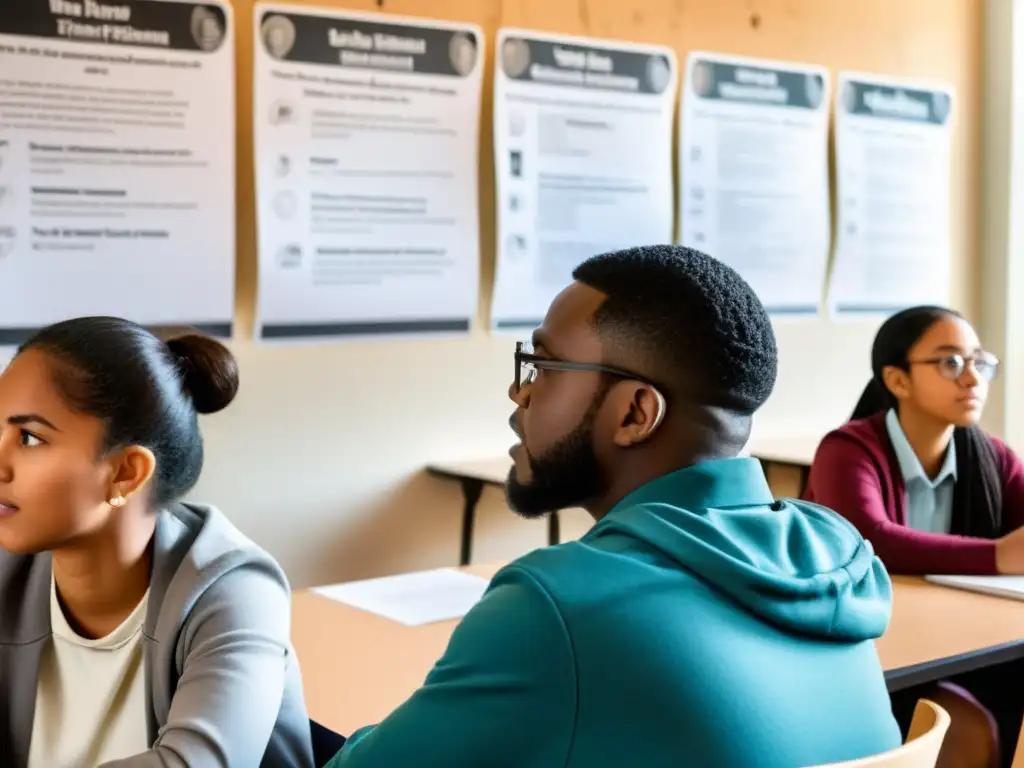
(1002, 196)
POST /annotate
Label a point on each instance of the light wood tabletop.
(357, 667)
(488, 471)
(794, 450)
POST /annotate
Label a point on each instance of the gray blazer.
(222, 680)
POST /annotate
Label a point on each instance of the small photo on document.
(278, 35)
(515, 160)
(515, 57)
(207, 29)
(702, 79)
(848, 98)
(515, 246)
(659, 73)
(282, 113)
(462, 53)
(814, 90)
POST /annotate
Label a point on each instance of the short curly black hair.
(687, 318)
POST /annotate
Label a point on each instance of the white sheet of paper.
(412, 599)
(583, 155)
(893, 155)
(999, 586)
(117, 164)
(753, 157)
(366, 153)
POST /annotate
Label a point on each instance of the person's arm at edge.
(845, 479)
(229, 695)
(504, 691)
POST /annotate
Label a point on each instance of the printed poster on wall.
(753, 158)
(366, 141)
(583, 161)
(893, 157)
(117, 163)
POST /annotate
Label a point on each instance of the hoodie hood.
(795, 564)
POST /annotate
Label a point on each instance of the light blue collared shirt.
(929, 502)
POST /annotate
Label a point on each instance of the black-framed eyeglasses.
(952, 367)
(528, 364)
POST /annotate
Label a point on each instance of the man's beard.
(566, 476)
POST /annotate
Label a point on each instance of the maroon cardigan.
(856, 473)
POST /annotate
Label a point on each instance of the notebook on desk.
(1000, 586)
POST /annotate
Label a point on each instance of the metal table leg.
(471, 491)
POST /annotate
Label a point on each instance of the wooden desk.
(358, 667)
(793, 451)
(474, 476)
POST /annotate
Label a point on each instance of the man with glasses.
(700, 622)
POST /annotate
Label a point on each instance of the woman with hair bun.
(135, 630)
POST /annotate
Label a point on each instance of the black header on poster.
(915, 105)
(181, 26)
(589, 67)
(752, 84)
(369, 45)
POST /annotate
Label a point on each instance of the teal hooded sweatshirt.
(700, 623)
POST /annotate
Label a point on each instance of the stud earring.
(117, 501)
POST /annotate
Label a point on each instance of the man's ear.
(897, 381)
(643, 412)
(131, 470)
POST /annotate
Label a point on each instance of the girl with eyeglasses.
(912, 470)
(933, 493)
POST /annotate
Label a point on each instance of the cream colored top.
(91, 695)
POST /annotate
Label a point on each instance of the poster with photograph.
(583, 161)
(366, 141)
(117, 163)
(753, 161)
(893, 177)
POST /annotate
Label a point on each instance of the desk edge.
(931, 671)
(452, 474)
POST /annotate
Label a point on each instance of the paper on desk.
(412, 599)
(1000, 586)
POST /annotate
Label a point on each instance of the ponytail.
(978, 492)
(891, 347)
(875, 399)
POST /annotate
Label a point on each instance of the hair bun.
(210, 371)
